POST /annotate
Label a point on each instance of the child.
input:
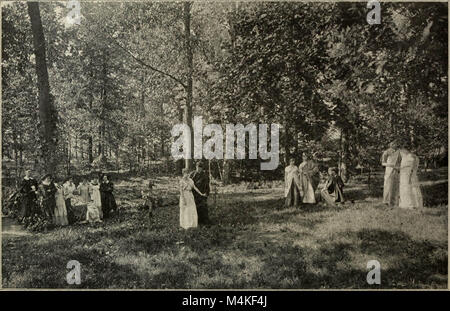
(150, 200)
(92, 213)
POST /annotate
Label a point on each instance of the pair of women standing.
(301, 182)
(63, 211)
(90, 196)
(98, 197)
(188, 209)
(401, 185)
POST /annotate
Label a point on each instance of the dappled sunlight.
(254, 242)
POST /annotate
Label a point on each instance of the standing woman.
(94, 191)
(188, 210)
(60, 210)
(28, 191)
(84, 189)
(108, 201)
(309, 178)
(48, 191)
(292, 185)
(68, 190)
(410, 193)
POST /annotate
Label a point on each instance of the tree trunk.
(99, 146)
(47, 113)
(189, 64)
(69, 148)
(90, 149)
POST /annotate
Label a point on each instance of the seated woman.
(333, 191)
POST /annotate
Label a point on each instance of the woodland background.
(105, 93)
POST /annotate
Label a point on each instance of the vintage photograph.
(224, 145)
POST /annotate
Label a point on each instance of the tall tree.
(47, 112)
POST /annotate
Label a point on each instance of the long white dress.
(410, 193)
(188, 210)
(308, 172)
(96, 199)
(60, 210)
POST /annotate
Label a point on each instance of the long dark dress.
(28, 205)
(292, 182)
(48, 200)
(107, 198)
(201, 181)
(333, 191)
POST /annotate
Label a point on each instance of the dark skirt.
(48, 206)
(108, 203)
(293, 198)
(27, 206)
(201, 203)
(70, 212)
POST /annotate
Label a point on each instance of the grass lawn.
(254, 243)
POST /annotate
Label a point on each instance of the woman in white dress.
(188, 210)
(309, 178)
(410, 193)
(94, 191)
(60, 210)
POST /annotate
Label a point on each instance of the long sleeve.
(384, 158)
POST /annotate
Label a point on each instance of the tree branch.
(107, 36)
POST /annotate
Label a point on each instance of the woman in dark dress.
(48, 191)
(28, 192)
(107, 197)
(333, 191)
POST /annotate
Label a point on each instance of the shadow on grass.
(412, 264)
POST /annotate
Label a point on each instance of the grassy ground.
(254, 243)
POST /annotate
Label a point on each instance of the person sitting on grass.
(333, 191)
(92, 212)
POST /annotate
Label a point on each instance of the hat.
(46, 175)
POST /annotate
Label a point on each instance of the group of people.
(401, 184)
(302, 182)
(54, 201)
